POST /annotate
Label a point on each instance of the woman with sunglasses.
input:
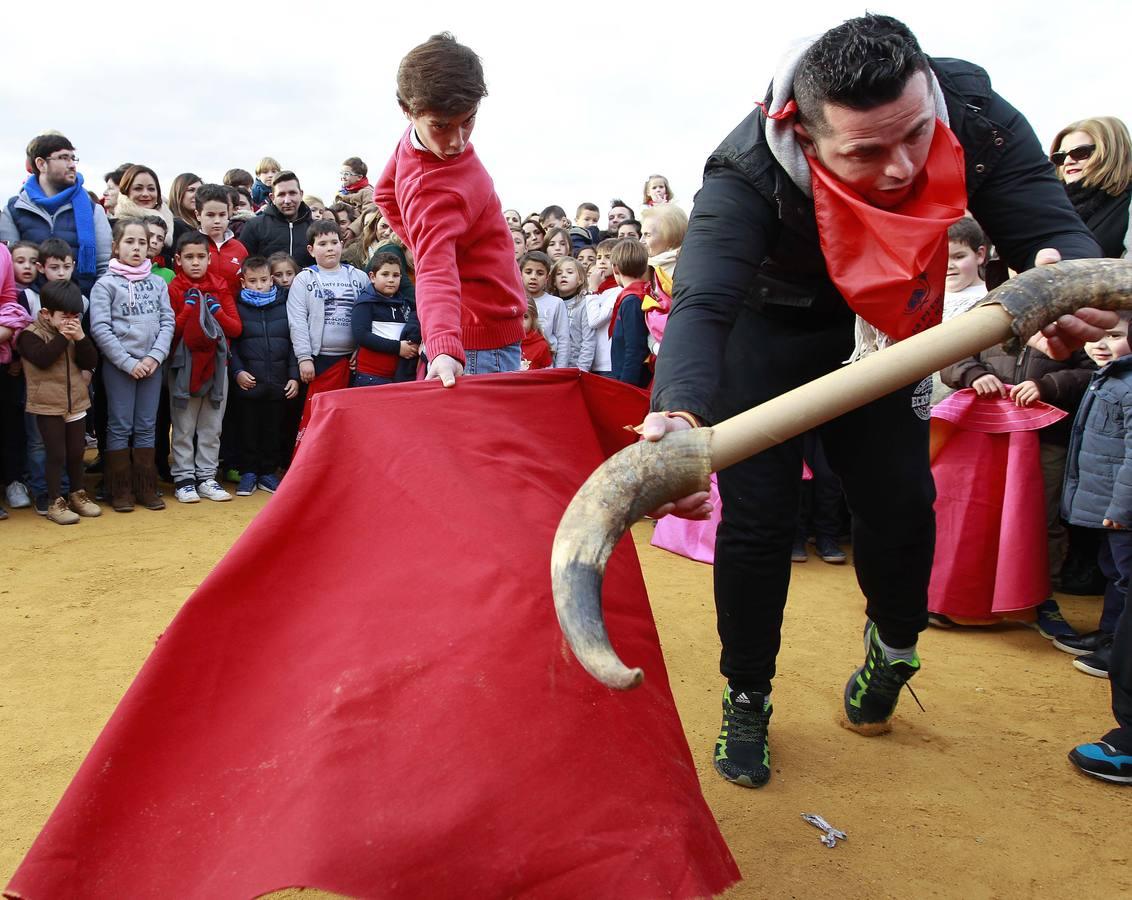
(1093, 157)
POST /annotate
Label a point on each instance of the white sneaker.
(187, 493)
(18, 496)
(211, 490)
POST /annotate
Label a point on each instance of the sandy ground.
(973, 798)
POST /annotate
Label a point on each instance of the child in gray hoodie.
(132, 322)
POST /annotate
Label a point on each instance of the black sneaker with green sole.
(742, 751)
(872, 691)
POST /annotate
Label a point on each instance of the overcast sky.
(585, 100)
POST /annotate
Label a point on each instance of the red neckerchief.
(637, 288)
(536, 350)
(356, 186)
(608, 283)
(890, 265)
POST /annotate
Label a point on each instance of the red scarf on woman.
(890, 265)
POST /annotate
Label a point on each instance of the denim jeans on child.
(499, 359)
(131, 407)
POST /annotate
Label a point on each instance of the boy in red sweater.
(205, 320)
(436, 194)
(225, 252)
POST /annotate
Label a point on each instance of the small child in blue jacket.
(1098, 484)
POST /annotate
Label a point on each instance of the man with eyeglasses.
(54, 203)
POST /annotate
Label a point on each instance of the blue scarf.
(77, 196)
(259, 298)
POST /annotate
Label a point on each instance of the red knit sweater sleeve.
(386, 199)
(181, 311)
(442, 218)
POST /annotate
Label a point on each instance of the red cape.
(991, 555)
(370, 693)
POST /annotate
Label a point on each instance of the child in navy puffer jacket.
(266, 373)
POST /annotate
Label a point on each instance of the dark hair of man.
(192, 237)
(212, 193)
(617, 201)
(630, 221)
(439, 76)
(55, 248)
(382, 259)
(862, 63)
(61, 296)
(239, 178)
(592, 207)
(116, 176)
(285, 176)
(245, 193)
(630, 258)
(254, 264)
(557, 211)
(535, 256)
(355, 165)
(322, 226)
(343, 207)
(43, 145)
(967, 232)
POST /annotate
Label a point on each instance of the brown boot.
(118, 480)
(145, 478)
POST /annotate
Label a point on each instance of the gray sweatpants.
(200, 421)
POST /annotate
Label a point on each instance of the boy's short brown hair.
(630, 258)
(607, 245)
(440, 76)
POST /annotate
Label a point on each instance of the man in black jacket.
(760, 308)
(282, 224)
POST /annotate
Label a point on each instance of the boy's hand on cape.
(694, 506)
(988, 385)
(1025, 394)
(446, 368)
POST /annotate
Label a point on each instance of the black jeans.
(880, 453)
(259, 420)
(1115, 561)
(1120, 680)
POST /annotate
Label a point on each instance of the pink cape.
(370, 694)
(695, 538)
(990, 553)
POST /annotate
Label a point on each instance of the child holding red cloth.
(536, 349)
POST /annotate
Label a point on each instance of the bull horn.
(647, 474)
